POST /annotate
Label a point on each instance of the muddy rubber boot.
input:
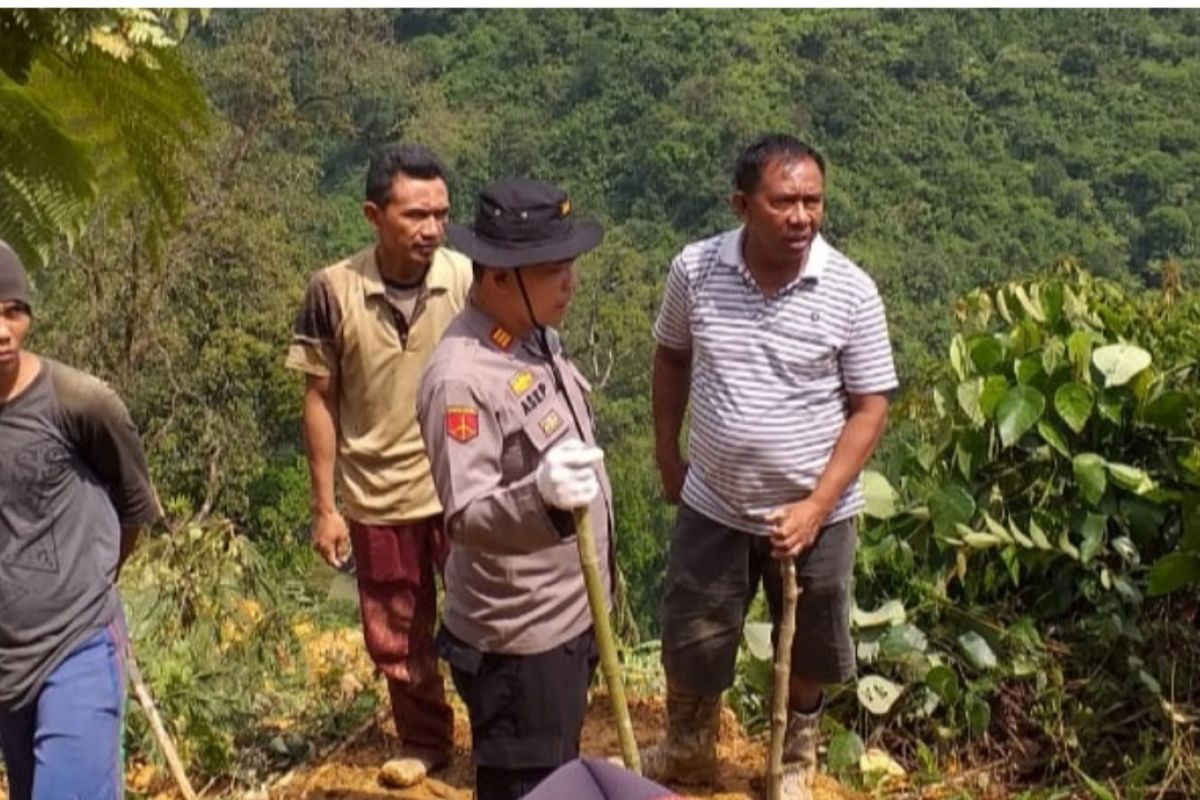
(800, 753)
(688, 753)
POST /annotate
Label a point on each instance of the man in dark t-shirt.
(74, 493)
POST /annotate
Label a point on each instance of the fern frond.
(47, 178)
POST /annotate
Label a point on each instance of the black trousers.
(526, 710)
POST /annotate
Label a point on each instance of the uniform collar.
(486, 329)
(815, 261)
(439, 278)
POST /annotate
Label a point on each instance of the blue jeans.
(67, 744)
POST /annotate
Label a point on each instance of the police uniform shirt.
(489, 410)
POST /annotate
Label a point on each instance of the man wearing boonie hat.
(505, 418)
(74, 494)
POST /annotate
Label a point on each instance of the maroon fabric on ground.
(396, 568)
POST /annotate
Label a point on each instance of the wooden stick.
(604, 638)
(783, 673)
(156, 726)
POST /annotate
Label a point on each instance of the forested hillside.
(1052, 156)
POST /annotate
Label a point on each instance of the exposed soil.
(352, 774)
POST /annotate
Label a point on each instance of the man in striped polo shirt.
(782, 345)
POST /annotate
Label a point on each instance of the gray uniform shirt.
(72, 473)
(489, 409)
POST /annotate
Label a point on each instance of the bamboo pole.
(607, 645)
(783, 673)
(156, 726)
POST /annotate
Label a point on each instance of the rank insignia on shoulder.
(462, 423)
(521, 382)
(501, 338)
(549, 423)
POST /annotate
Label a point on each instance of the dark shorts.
(713, 573)
(526, 710)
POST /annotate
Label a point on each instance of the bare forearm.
(129, 539)
(320, 444)
(669, 397)
(860, 436)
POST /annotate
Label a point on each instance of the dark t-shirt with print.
(72, 474)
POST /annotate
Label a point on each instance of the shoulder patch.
(462, 423)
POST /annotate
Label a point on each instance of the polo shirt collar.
(730, 253)
(439, 278)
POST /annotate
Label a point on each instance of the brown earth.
(352, 773)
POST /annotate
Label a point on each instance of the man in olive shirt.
(363, 335)
(505, 417)
(74, 493)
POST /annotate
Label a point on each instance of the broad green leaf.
(845, 750)
(901, 640)
(879, 494)
(958, 356)
(968, 400)
(1074, 402)
(1054, 355)
(994, 388)
(758, 640)
(1020, 537)
(1027, 370)
(1051, 298)
(979, 715)
(986, 352)
(939, 403)
(1131, 478)
(979, 540)
(1053, 437)
(1169, 410)
(1094, 531)
(877, 694)
(1064, 544)
(1173, 571)
(1089, 474)
(1038, 535)
(1079, 349)
(977, 650)
(890, 613)
(1111, 405)
(1118, 363)
(944, 682)
(1002, 306)
(951, 505)
(1018, 411)
(996, 529)
(970, 452)
(1027, 303)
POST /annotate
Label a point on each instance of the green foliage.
(1025, 527)
(88, 98)
(225, 642)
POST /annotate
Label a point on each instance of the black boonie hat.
(14, 286)
(522, 222)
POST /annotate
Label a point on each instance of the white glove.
(566, 478)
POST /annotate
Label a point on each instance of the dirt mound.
(352, 774)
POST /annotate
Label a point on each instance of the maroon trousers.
(396, 566)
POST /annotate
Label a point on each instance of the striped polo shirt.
(770, 375)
